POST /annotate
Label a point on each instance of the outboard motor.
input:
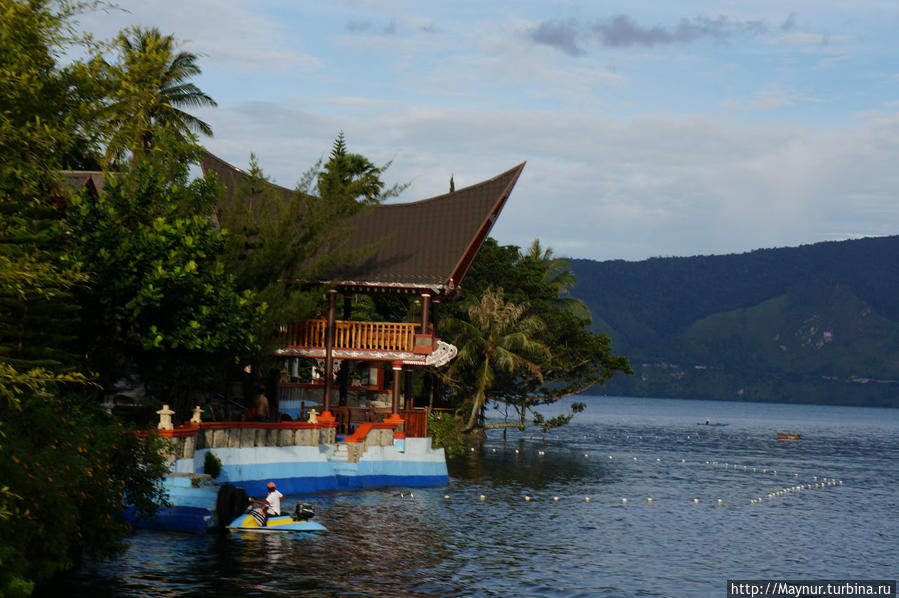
(303, 512)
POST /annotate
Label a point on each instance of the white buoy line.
(772, 494)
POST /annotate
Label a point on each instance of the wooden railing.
(415, 422)
(372, 336)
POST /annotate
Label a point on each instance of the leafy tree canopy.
(353, 177)
(64, 464)
(574, 358)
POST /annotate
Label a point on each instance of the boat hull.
(282, 523)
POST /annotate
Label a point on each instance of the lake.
(517, 521)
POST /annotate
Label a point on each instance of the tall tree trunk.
(478, 401)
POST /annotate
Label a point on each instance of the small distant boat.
(715, 424)
(787, 436)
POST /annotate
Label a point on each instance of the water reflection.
(396, 543)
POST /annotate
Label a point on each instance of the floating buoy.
(516, 451)
(483, 497)
(586, 499)
(556, 498)
(623, 500)
(649, 499)
(527, 498)
(683, 460)
(494, 450)
(695, 500)
(586, 456)
(446, 496)
(472, 449)
(658, 460)
(720, 501)
(635, 458)
(610, 457)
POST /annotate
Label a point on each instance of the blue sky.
(649, 128)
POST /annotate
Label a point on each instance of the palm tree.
(496, 339)
(557, 274)
(152, 86)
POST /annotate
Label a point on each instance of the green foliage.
(446, 432)
(159, 296)
(574, 358)
(560, 420)
(273, 240)
(42, 125)
(150, 85)
(495, 338)
(348, 177)
(68, 465)
(212, 465)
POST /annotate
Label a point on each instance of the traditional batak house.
(421, 249)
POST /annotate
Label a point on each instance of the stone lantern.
(165, 418)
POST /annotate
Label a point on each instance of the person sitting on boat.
(271, 506)
(273, 500)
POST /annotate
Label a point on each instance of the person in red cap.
(272, 502)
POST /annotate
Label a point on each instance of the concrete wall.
(185, 447)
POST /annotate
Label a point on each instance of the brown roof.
(75, 179)
(424, 244)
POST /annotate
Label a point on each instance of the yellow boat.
(254, 520)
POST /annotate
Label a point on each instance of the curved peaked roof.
(424, 244)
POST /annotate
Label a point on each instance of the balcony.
(396, 341)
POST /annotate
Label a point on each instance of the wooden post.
(435, 307)
(395, 417)
(329, 350)
(407, 389)
(432, 377)
(343, 376)
(397, 368)
(425, 312)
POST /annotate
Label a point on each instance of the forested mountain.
(812, 324)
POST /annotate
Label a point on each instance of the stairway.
(340, 454)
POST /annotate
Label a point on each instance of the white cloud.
(621, 162)
(604, 188)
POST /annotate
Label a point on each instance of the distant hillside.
(813, 324)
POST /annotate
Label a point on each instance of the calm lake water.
(388, 543)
